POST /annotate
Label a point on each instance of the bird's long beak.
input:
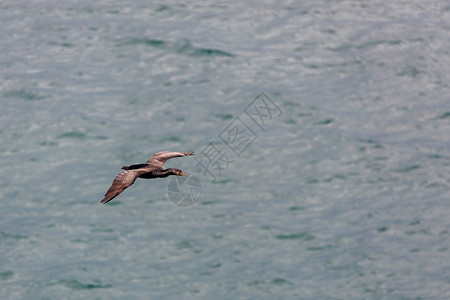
(182, 174)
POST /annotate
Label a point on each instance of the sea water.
(321, 131)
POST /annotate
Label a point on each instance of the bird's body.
(152, 169)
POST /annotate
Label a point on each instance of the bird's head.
(178, 172)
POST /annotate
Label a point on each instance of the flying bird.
(153, 168)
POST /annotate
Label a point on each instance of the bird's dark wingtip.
(106, 200)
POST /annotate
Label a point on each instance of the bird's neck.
(164, 173)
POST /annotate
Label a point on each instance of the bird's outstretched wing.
(119, 184)
(158, 159)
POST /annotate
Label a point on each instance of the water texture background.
(343, 196)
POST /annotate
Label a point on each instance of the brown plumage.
(152, 169)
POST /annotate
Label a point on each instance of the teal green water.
(342, 193)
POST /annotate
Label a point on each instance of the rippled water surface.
(340, 190)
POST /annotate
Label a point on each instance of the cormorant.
(152, 169)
